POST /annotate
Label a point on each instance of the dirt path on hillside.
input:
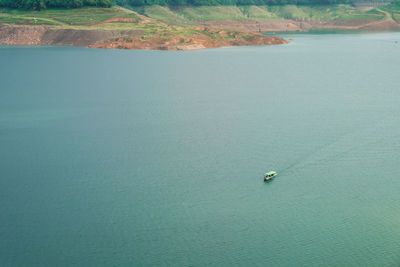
(143, 19)
(386, 24)
(29, 18)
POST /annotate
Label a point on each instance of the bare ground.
(210, 34)
(42, 35)
(197, 41)
(290, 25)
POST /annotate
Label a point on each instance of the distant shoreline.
(116, 27)
(45, 36)
(296, 25)
(188, 28)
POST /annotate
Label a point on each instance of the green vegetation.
(393, 10)
(113, 19)
(162, 13)
(205, 13)
(42, 4)
(227, 2)
(92, 18)
(81, 17)
(161, 21)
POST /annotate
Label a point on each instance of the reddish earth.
(42, 35)
(211, 34)
(198, 41)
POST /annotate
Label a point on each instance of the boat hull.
(268, 179)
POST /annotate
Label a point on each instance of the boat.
(269, 176)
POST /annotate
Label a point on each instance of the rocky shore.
(204, 38)
(121, 28)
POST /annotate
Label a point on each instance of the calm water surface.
(150, 158)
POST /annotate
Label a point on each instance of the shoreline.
(25, 35)
(121, 28)
(306, 26)
(40, 36)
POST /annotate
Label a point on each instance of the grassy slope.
(66, 18)
(393, 10)
(97, 19)
(204, 13)
(93, 19)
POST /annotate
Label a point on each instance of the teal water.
(151, 158)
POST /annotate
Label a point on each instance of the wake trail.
(308, 160)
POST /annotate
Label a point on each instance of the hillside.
(186, 27)
(115, 27)
(280, 18)
(43, 4)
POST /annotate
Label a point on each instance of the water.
(150, 158)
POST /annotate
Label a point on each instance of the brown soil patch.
(43, 35)
(205, 38)
(121, 20)
(221, 38)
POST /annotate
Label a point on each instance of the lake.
(155, 158)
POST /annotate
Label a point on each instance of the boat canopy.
(270, 173)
